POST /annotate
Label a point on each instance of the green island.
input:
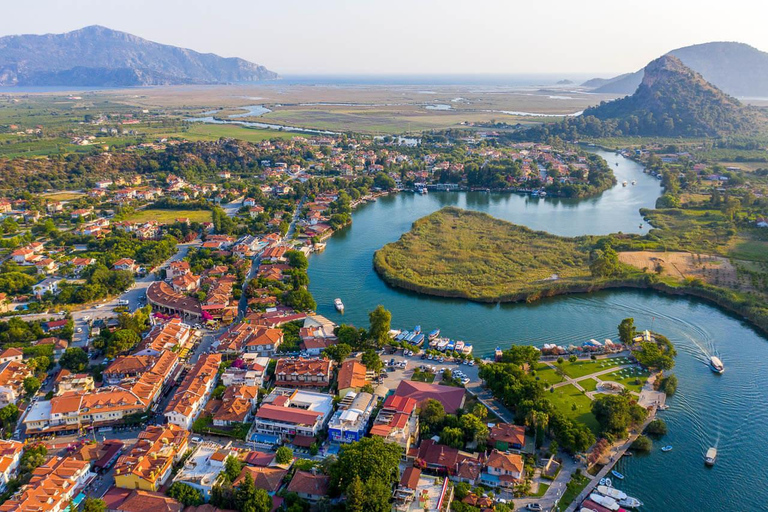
(471, 255)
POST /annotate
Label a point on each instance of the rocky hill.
(736, 68)
(98, 56)
(673, 100)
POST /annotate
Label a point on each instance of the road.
(133, 295)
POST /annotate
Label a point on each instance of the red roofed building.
(309, 486)
(451, 397)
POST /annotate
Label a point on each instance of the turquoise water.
(727, 411)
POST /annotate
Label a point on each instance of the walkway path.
(575, 382)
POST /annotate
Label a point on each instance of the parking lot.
(394, 376)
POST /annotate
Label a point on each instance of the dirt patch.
(711, 269)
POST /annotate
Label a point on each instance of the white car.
(79, 329)
(471, 362)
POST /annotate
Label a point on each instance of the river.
(727, 411)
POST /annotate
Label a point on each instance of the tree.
(300, 299)
(431, 415)
(452, 437)
(355, 496)
(94, 505)
(627, 331)
(338, 352)
(372, 361)
(31, 385)
(369, 458)
(615, 413)
(348, 335)
(657, 428)
(284, 455)
(521, 354)
(605, 263)
(74, 359)
(186, 494)
(383, 181)
(232, 468)
(379, 320)
(297, 259)
(250, 499)
(9, 415)
(474, 429)
(642, 444)
(572, 358)
(651, 356)
(122, 341)
(480, 411)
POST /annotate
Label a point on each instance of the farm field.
(169, 216)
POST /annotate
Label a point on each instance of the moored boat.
(450, 346)
(417, 329)
(339, 305)
(605, 501)
(631, 502)
(611, 492)
(617, 474)
(710, 457)
(418, 340)
(467, 349)
(434, 334)
(433, 343)
(623, 183)
(459, 346)
(716, 365)
(442, 344)
(498, 353)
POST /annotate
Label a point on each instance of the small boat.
(623, 183)
(716, 365)
(339, 305)
(663, 407)
(629, 454)
(417, 329)
(710, 457)
(667, 448)
(459, 347)
(634, 182)
(442, 344)
(467, 349)
(631, 502)
(434, 334)
(497, 354)
(617, 474)
(433, 343)
(605, 501)
(606, 482)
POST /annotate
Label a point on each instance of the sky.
(414, 37)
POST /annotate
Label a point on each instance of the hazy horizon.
(422, 38)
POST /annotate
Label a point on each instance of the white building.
(290, 412)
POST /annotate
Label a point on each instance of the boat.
(716, 365)
(663, 407)
(606, 482)
(424, 191)
(629, 454)
(711, 457)
(624, 183)
(497, 354)
(417, 329)
(450, 346)
(631, 502)
(418, 340)
(467, 349)
(605, 501)
(617, 474)
(339, 305)
(667, 448)
(411, 336)
(634, 182)
(402, 335)
(433, 343)
(442, 344)
(434, 334)
(459, 347)
(611, 492)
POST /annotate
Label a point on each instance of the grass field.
(564, 398)
(63, 196)
(588, 384)
(457, 253)
(541, 490)
(630, 378)
(574, 488)
(547, 374)
(169, 216)
(202, 131)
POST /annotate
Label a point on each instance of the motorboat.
(617, 474)
(339, 305)
(442, 344)
(634, 182)
(716, 365)
(631, 502)
(605, 501)
(611, 492)
(467, 349)
(710, 457)
(606, 482)
(623, 183)
(459, 346)
(667, 448)
(434, 334)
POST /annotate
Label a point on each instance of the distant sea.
(519, 80)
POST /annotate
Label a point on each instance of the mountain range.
(674, 100)
(736, 68)
(99, 56)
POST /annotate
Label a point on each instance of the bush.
(657, 428)
(668, 385)
(642, 444)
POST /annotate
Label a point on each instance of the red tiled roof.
(452, 398)
(410, 478)
(287, 414)
(304, 482)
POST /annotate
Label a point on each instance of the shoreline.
(643, 282)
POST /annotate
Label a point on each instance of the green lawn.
(574, 488)
(169, 216)
(547, 374)
(582, 368)
(64, 195)
(564, 398)
(427, 377)
(542, 489)
(589, 384)
(628, 378)
(204, 131)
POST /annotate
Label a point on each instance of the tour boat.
(459, 347)
(617, 474)
(467, 349)
(434, 334)
(667, 449)
(418, 340)
(433, 343)
(442, 344)
(711, 457)
(716, 365)
(402, 335)
(611, 492)
(450, 346)
(339, 305)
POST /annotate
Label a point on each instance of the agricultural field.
(168, 216)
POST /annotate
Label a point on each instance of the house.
(441, 459)
(290, 412)
(350, 422)
(452, 398)
(397, 421)
(194, 391)
(505, 437)
(54, 325)
(302, 372)
(59, 345)
(149, 462)
(309, 486)
(81, 264)
(268, 478)
(126, 500)
(10, 455)
(185, 283)
(177, 269)
(502, 469)
(237, 405)
(66, 382)
(101, 455)
(46, 266)
(52, 487)
(264, 341)
(126, 264)
(352, 377)
(201, 469)
(247, 371)
(11, 354)
(127, 367)
(12, 375)
(48, 285)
